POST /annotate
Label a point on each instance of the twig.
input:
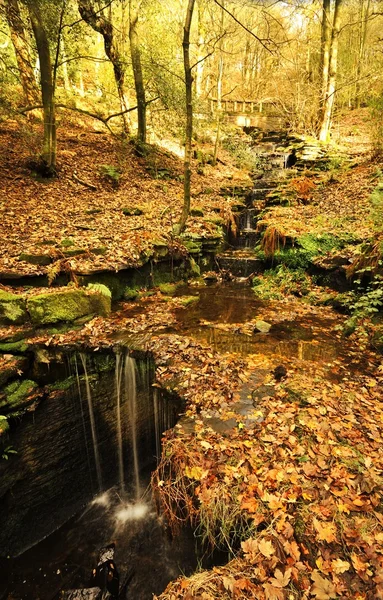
(85, 183)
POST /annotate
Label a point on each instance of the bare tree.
(329, 97)
(103, 25)
(135, 52)
(189, 114)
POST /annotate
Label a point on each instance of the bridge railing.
(241, 106)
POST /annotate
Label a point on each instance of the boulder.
(262, 327)
(12, 308)
(67, 305)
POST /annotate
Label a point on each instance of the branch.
(82, 111)
(244, 26)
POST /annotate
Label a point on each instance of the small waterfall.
(131, 397)
(92, 423)
(158, 431)
(83, 418)
(118, 378)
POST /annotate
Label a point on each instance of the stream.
(80, 478)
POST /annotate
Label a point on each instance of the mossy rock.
(192, 247)
(67, 305)
(113, 281)
(10, 369)
(196, 212)
(131, 294)
(4, 425)
(18, 395)
(74, 252)
(168, 289)
(133, 212)
(12, 308)
(36, 259)
(18, 347)
(188, 300)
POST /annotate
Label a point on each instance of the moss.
(187, 300)
(169, 289)
(67, 242)
(133, 212)
(12, 308)
(74, 252)
(4, 425)
(113, 281)
(196, 212)
(194, 270)
(67, 305)
(131, 294)
(192, 247)
(65, 384)
(100, 288)
(17, 394)
(14, 347)
(36, 259)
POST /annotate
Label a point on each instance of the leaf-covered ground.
(54, 217)
(290, 467)
(284, 468)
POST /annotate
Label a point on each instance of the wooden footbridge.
(248, 113)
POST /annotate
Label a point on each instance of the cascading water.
(118, 378)
(131, 396)
(92, 422)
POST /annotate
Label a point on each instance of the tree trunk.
(47, 87)
(137, 71)
(364, 15)
(200, 47)
(325, 48)
(21, 46)
(104, 26)
(189, 114)
(331, 85)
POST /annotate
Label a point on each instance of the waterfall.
(92, 423)
(157, 423)
(83, 418)
(118, 378)
(131, 397)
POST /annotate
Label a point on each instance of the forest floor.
(43, 221)
(291, 461)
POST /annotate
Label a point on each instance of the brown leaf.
(323, 589)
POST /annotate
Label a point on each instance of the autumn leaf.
(280, 580)
(323, 589)
(340, 566)
(266, 548)
(326, 531)
(273, 593)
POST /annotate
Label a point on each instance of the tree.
(103, 25)
(137, 70)
(330, 88)
(47, 83)
(22, 49)
(189, 113)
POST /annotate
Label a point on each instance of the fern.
(100, 289)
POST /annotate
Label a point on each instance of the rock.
(4, 425)
(18, 347)
(67, 305)
(18, 395)
(262, 327)
(12, 308)
(10, 366)
(36, 259)
(133, 212)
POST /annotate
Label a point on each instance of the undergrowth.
(282, 281)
